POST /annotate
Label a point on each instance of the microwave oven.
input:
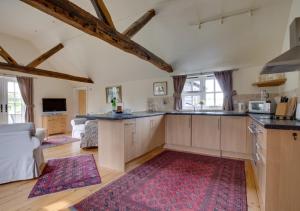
(261, 107)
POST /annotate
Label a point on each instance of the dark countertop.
(262, 119)
(115, 116)
(267, 122)
(211, 113)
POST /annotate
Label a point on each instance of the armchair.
(21, 156)
(90, 136)
(78, 126)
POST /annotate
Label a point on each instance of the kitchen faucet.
(194, 106)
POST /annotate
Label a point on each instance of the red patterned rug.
(58, 140)
(175, 181)
(66, 173)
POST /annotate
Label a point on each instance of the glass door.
(3, 101)
(12, 107)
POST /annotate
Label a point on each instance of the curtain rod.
(207, 73)
(11, 75)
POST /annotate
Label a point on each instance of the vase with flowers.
(114, 104)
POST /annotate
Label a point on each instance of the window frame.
(12, 117)
(202, 92)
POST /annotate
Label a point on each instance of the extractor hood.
(290, 60)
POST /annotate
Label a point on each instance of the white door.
(3, 101)
(12, 107)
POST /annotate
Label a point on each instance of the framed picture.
(113, 92)
(160, 88)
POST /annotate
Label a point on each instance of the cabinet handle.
(257, 157)
(295, 136)
(219, 124)
(1, 108)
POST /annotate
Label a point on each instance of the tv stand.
(54, 123)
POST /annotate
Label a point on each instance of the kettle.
(241, 107)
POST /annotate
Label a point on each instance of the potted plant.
(114, 103)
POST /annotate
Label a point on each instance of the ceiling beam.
(6, 56)
(41, 72)
(139, 24)
(73, 15)
(45, 56)
(102, 12)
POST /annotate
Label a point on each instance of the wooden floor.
(13, 196)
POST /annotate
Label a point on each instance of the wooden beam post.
(6, 56)
(73, 15)
(45, 56)
(41, 72)
(102, 12)
(139, 24)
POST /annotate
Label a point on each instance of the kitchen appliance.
(298, 112)
(254, 132)
(241, 107)
(263, 107)
(290, 60)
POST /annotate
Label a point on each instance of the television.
(54, 105)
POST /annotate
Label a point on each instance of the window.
(202, 92)
(15, 104)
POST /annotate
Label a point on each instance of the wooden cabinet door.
(143, 134)
(157, 131)
(233, 134)
(178, 130)
(206, 132)
(131, 144)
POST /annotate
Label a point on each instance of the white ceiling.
(241, 41)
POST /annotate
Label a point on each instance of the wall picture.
(160, 88)
(114, 92)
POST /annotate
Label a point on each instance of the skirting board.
(214, 153)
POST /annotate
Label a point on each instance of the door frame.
(75, 98)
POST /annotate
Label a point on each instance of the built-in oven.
(254, 131)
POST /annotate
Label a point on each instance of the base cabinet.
(143, 135)
(234, 134)
(206, 133)
(178, 130)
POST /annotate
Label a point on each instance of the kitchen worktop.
(134, 115)
(267, 122)
(264, 120)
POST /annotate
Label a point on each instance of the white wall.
(24, 52)
(135, 95)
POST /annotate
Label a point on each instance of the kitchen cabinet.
(178, 130)
(157, 125)
(206, 132)
(276, 155)
(132, 146)
(233, 135)
(123, 140)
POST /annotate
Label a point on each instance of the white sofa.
(21, 156)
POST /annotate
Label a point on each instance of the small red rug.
(66, 173)
(58, 140)
(175, 181)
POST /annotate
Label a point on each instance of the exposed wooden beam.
(45, 56)
(41, 72)
(6, 56)
(73, 15)
(140, 23)
(102, 12)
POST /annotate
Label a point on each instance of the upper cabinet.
(206, 132)
(178, 130)
(234, 134)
